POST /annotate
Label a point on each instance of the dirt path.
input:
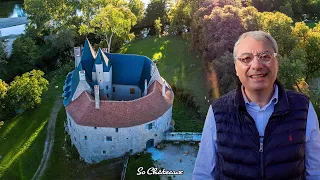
(49, 139)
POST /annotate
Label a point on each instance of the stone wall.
(94, 143)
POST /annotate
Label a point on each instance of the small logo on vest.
(290, 138)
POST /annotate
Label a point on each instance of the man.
(260, 130)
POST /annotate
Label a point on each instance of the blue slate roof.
(127, 69)
(71, 87)
(102, 59)
(88, 58)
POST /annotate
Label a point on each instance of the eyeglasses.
(264, 57)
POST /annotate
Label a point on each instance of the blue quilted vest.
(241, 155)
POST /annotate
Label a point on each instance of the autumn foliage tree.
(220, 31)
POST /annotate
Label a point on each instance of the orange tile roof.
(118, 114)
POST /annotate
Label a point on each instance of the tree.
(25, 92)
(3, 94)
(24, 56)
(312, 47)
(180, 16)
(301, 32)
(279, 26)
(112, 21)
(220, 31)
(3, 89)
(224, 68)
(222, 3)
(46, 16)
(268, 5)
(59, 47)
(311, 8)
(250, 18)
(287, 9)
(155, 9)
(309, 40)
(137, 8)
(3, 59)
(37, 15)
(293, 62)
(89, 9)
(157, 26)
(61, 12)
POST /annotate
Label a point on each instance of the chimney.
(153, 67)
(82, 75)
(96, 96)
(164, 88)
(145, 88)
(77, 56)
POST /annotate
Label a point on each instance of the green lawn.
(136, 161)
(176, 64)
(64, 162)
(22, 138)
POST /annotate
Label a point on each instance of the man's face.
(257, 76)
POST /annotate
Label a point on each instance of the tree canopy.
(25, 55)
(155, 9)
(3, 59)
(137, 8)
(25, 91)
(180, 16)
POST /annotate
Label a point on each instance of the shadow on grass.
(22, 138)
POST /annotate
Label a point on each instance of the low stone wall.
(182, 136)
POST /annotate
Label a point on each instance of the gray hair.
(257, 35)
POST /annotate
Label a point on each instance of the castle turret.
(77, 56)
(82, 75)
(164, 88)
(97, 96)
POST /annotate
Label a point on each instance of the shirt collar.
(274, 97)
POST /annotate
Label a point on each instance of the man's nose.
(256, 64)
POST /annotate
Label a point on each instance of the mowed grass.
(64, 162)
(176, 64)
(22, 138)
(137, 161)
